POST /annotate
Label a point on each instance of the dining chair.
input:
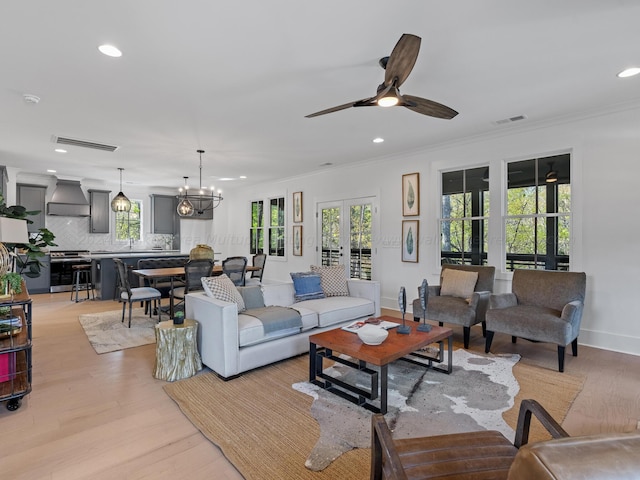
(235, 268)
(194, 270)
(255, 278)
(128, 295)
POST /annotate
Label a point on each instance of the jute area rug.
(107, 333)
(266, 429)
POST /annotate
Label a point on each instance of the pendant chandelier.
(190, 205)
(120, 202)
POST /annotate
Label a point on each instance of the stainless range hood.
(68, 200)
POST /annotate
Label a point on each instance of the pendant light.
(195, 205)
(120, 202)
(552, 175)
(185, 207)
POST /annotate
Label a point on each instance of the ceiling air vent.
(83, 143)
(517, 118)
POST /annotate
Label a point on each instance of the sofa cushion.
(333, 280)
(251, 331)
(309, 317)
(252, 296)
(307, 286)
(281, 294)
(332, 310)
(222, 288)
(458, 283)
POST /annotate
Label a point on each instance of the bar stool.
(82, 279)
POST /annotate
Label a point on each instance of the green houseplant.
(29, 265)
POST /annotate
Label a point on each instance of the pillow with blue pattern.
(307, 286)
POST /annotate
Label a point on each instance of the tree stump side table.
(177, 354)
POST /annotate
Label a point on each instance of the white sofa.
(232, 343)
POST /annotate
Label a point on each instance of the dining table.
(153, 274)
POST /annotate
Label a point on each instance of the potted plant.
(28, 265)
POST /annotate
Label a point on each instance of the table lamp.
(12, 231)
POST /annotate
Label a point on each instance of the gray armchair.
(544, 306)
(458, 310)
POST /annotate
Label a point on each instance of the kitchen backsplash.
(72, 233)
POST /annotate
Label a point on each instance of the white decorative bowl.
(372, 334)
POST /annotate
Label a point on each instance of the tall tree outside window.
(465, 216)
(129, 224)
(276, 227)
(537, 224)
(256, 232)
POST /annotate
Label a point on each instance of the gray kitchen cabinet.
(32, 197)
(100, 211)
(164, 217)
(41, 284)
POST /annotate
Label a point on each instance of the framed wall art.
(410, 236)
(297, 207)
(297, 240)
(411, 194)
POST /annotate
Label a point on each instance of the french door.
(345, 230)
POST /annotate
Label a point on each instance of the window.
(256, 232)
(129, 224)
(276, 227)
(465, 216)
(537, 224)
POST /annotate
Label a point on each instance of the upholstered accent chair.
(461, 298)
(543, 306)
(489, 455)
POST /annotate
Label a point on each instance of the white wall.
(605, 167)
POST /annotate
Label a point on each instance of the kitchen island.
(103, 268)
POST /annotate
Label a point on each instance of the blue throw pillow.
(307, 286)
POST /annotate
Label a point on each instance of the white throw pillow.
(333, 280)
(458, 283)
(222, 288)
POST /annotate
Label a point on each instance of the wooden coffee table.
(395, 347)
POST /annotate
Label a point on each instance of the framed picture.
(297, 207)
(410, 240)
(297, 240)
(411, 194)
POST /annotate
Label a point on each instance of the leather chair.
(457, 310)
(489, 455)
(128, 295)
(235, 268)
(485, 454)
(543, 306)
(255, 277)
(194, 270)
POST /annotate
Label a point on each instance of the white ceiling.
(237, 78)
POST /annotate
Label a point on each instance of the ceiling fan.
(397, 67)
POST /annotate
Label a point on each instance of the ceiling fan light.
(552, 176)
(389, 100)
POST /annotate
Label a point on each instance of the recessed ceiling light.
(110, 50)
(243, 176)
(225, 179)
(51, 171)
(60, 150)
(378, 140)
(629, 72)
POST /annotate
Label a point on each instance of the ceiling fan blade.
(358, 103)
(428, 107)
(402, 59)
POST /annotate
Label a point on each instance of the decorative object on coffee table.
(177, 354)
(402, 303)
(372, 334)
(424, 298)
(178, 318)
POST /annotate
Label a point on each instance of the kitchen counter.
(103, 268)
(97, 255)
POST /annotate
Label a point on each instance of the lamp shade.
(13, 230)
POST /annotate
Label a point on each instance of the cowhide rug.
(420, 403)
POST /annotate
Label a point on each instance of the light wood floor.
(105, 416)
